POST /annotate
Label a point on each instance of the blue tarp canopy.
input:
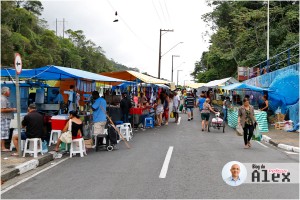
(244, 86)
(58, 73)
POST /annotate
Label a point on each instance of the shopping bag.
(66, 137)
(180, 107)
(256, 134)
(44, 147)
(171, 115)
(239, 130)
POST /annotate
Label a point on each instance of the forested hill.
(240, 35)
(23, 31)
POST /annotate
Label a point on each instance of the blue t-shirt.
(98, 114)
(201, 102)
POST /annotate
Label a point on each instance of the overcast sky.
(134, 40)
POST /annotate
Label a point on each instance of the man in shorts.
(99, 114)
(190, 104)
(7, 113)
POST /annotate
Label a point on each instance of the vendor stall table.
(261, 117)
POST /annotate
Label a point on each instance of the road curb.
(25, 167)
(280, 145)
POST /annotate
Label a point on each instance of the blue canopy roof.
(58, 73)
(241, 86)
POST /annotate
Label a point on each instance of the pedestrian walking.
(247, 120)
(166, 109)
(125, 106)
(201, 101)
(190, 104)
(7, 113)
(205, 114)
(176, 104)
(226, 105)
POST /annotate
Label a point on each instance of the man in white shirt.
(71, 98)
(176, 103)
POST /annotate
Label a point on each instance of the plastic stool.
(149, 122)
(125, 131)
(119, 126)
(77, 146)
(33, 146)
(54, 136)
(130, 128)
(118, 122)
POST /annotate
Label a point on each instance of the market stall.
(150, 86)
(83, 80)
(232, 113)
(261, 117)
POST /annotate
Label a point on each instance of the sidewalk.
(283, 137)
(12, 166)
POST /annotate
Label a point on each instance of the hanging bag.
(66, 137)
(239, 130)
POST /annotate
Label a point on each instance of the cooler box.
(136, 111)
(58, 122)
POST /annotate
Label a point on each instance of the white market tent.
(221, 82)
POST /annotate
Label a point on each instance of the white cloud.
(134, 40)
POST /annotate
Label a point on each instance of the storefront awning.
(58, 73)
(135, 76)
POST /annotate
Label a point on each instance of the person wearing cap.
(34, 124)
(125, 106)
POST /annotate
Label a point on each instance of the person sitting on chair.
(76, 128)
(34, 123)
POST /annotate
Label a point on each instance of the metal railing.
(281, 60)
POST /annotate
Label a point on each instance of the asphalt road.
(194, 170)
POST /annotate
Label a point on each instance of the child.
(159, 112)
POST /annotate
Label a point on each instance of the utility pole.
(268, 33)
(63, 28)
(178, 75)
(159, 53)
(172, 66)
(56, 26)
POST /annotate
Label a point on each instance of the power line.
(157, 12)
(169, 18)
(163, 12)
(130, 29)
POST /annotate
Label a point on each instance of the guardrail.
(281, 60)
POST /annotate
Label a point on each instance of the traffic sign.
(18, 63)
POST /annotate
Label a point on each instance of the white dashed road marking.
(165, 166)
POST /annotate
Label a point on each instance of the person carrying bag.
(73, 130)
(66, 137)
(247, 120)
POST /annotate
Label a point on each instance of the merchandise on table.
(261, 117)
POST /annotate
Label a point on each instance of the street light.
(177, 75)
(172, 66)
(159, 51)
(160, 56)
